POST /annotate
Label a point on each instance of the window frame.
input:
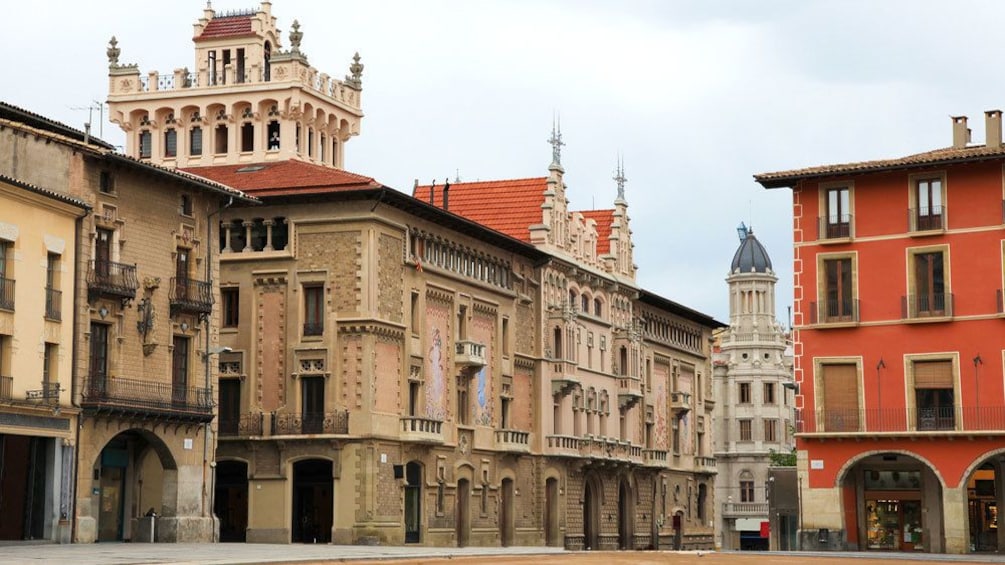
(910, 367)
(929, 222)
(831, 228)
(744, 393)
(314, 312)
(821, 312)
(745, 430)
(230, 306)
(913, 307)
(819, 395)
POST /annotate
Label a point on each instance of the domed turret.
(750, 257)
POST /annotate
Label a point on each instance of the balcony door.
(98, 370)
(179, 369)
(230, 406)
(840, 388)
(181, 273)
(312, 404)
(102, 252)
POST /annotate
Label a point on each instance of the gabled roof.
(284, 178)
(604, 219)
(944, 156)
(227, 26)
(37, 121)
(184, 176)
(507, 206)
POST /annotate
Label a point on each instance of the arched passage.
(985, 498)
(626, 515)
(591, 513)
(463, 515)
(230, 500)
(551, 512)
(312, 501)
(506, 517)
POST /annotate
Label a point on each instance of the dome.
(751, 257)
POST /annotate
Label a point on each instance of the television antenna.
(100, 107)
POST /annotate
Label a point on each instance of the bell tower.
(247, 100)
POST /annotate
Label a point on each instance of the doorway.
(626, 516)
(506, 513)
(551, 513)
(413, 502)
(590, 516)
(463, 525)
(231, 500)
(312, 501)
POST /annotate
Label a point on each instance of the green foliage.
(783, 459)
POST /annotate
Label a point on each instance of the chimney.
(432, 192)
(993, 128)
(446, 196)
(961, 133)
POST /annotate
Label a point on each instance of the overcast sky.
(697, 97)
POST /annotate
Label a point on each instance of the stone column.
(954, 522)
(226, 242)
(268, 234)
(247, 235)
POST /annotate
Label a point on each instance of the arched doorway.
(506, 518)
(312, 501)
(230, 500)
(136, 474)
(984, 501)
(551, 512)
(626, 516)
(463, 525)
(413, 502)
(678, 530)
(591, 515)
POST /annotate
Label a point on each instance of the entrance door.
(551, 512)
(312, 501)
(625, 516)
(413, 502)
(231, 500)
(114, 460)
(589, 517)
(506, 513)
(463, 525)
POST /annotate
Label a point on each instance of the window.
(240, 66)
(769, 393)
(6, 276)
(598, 309)
(103, 252)
(505, 336)
(702, 499)
(312, 404)
(49, 359)
(213, 77)
(314, 310)
(170, 142)
(53, 296)
(585, 303)
(185, 206)
(220, 140)
(934, 395)
(145, 144)
(273, 133)
(838, 291)
(462, 400)
(106, 183)
(930, 297)
(179, 370)
(675, 435)
(838, 213)
(247, 137)
(839, 384)
(746, 491)
(928, 214)
(310, 142)
(414, 310)
(231, 298)
(195, 141)
(745, 431)
(230, 406)
(771, 430)
(98, 362)
(744, 393)
(6, 380)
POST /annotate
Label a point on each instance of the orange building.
(898, 354)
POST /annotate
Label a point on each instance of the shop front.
(893, 510)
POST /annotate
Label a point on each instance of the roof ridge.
(486, 181)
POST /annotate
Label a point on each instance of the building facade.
(754, 415)
(898, 301)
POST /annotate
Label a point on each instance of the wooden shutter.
(840, 397)
(933, 374)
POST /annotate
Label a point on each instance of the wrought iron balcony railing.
(242, 426)
(335, 422)
(834, 311)
(106, 278)
(137, 397)
(838, 227)
(191, 296)
(53, 304)
(49, 393)
(6, 293)
(926, 218)
(6, 388)
(959, 419)
(932, 305)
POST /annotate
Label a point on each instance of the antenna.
(100, 107)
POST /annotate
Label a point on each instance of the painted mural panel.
(661, 380)
(482, 331)
(437, 359)
(387, 369)
(685, 383)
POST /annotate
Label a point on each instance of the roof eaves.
(46, 192)
(38, 121)
(653, 299)
(189, 178)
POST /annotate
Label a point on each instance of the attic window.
(250, 169)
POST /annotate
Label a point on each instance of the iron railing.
(834, 311)
(926, 218)
(190, 295)
(48, 393)
(6, 388)
(243, 425)
(335, 422)
(961, 419)
(933, 305)
(137, 396)
(6, 293)
(834, 228)
(53, 304)
(112, 279)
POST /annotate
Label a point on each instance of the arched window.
(702, 496)
(557, 354)
(598, 309)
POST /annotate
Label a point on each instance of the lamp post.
(879, 392)
(977, 384)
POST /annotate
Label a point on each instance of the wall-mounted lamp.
(217, 351)
(794, 387)
(103, 312)
(977, 379)
(184, 326)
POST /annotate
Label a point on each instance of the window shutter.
(841, 411)
(933, 374)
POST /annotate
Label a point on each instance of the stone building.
(141, 318)
(470, 364)
(754, 415)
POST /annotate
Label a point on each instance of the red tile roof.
(946, 155)
(507, 206)
(604, 219)
(284, 178)
(227, 26)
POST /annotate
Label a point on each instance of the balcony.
(114, 280)
(245, 425)
(137, 398)
(834, 229)
(191, 297)
(563, 376)
(469, 354)
(744, 509)
(704, 464)
(941, 421)
(53, 304)
(6, 293)
(680, 402)
(326, 423)
(421, 430)
(513, 441)
(48, 394)
(926, 306)
(926, 219)
(562, 446)
(836, 312)
(654, 457)
(629, 392)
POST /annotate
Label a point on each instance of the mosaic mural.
(437, 358)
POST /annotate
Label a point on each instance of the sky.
(695, 96)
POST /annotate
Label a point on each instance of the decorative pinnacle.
(355, 76)
(556, 142)
(295, 37)
(113, 51)
(619, 177)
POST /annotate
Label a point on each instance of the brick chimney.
(993, 128)
(961, 133)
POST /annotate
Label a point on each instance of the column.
(954, 522)
(268, 234)
(247, 235)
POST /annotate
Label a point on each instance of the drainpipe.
(74, 356)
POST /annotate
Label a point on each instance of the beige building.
(421, 369)
(38, 424)
(142, 319)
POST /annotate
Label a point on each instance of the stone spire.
(296, 36)
(619, 177)
(556, 143)
(113, 52)
(355, 78)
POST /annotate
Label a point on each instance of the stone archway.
(592, 507)
(984, 488)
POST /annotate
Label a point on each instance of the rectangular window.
(273, 133)
(145, 144)
(929, 210)
(746, 433)
(771, 430)
(314, 310)
(213, 77)
(312, 404)
(675, 436)
(179, 370)
(769, 393)
(220, 140)
(247, 137)
(195, 141)
(933, 388)
(839, 306)
(744, 393)
(838, 213)
(105, 182)
(840, 397)
(6, 276)
(240, 78)
(930, 298)
(462, 400)
(746, 491)
(49, 358)
(231, 306)
(53, 296)
(505, 336)
(230, 406)
(170, 143)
